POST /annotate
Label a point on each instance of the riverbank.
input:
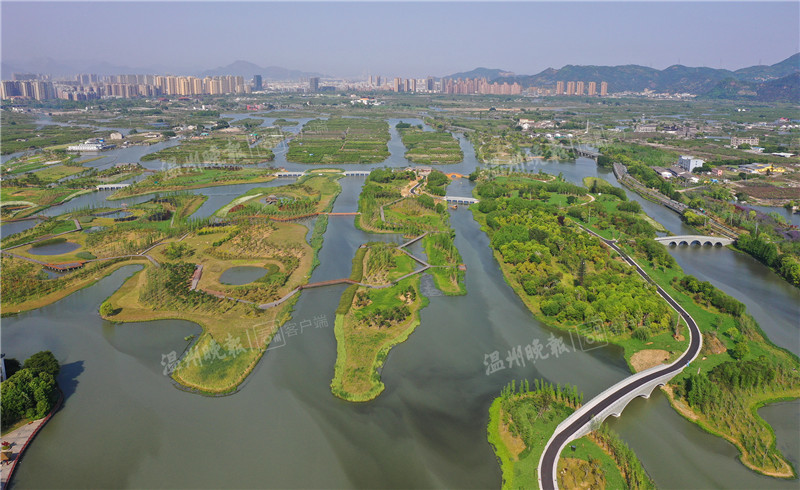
(23, 437)
(372, 320)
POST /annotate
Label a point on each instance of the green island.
(372, 318)
(340, 140)
(429, 147)
(413, 215)
(232, 145)
(522, 420)
(185, 178)
(568, 280)
(309, 196)
(35, 191)
(281, 122)
(380, 308)
(183, 261)
(22, 201)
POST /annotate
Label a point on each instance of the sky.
(411, 39)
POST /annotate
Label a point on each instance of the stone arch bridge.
(714, 241)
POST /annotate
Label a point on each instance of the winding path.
(613, 400)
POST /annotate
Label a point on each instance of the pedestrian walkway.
(19, 440)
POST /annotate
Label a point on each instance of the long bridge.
(460, 200)
(714, 241)
(111, 187)
(614, 400)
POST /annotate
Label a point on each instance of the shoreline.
(8, 475)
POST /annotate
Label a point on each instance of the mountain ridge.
(637, 78)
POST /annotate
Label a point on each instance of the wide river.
(123, 423)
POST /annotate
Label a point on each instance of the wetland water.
(128, 426)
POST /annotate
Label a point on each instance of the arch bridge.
(714, 241)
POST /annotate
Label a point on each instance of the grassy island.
(340, 140)
(372, 318)
(387, 205)
(230, 146)
(429, 147)
(184, 178)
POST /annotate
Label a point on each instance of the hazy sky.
(403, 39)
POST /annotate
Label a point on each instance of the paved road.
(549, 461)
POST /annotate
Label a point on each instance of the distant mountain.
(636, 78)
(633, 78)
(248, 69)
(785, 89)
(760, 73)
(481, 72)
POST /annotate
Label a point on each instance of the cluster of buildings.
(578, 88)
(683, 169)
(687, 163)
(480, 86)
(687, 130)
(150, 86)
(91, 86)
(27, 89)
(92, 144)
(399, 84)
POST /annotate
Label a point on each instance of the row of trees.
(767, 253)
(705, 293)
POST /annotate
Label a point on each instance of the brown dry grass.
(647, 358)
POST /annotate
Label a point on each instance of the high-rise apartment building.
(570, 88)
(592, 88)
(559, 88)
(257, 82)
(603, 89)
(578, 88)
(313, 84)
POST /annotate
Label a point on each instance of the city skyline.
(409, 39)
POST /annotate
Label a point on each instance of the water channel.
(123, 424)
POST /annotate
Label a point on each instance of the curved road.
(548, 464)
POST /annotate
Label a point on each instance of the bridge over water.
(613, 400)
(460, 200)
(587, 152)
(714, 241)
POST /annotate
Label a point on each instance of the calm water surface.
(130, 427)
